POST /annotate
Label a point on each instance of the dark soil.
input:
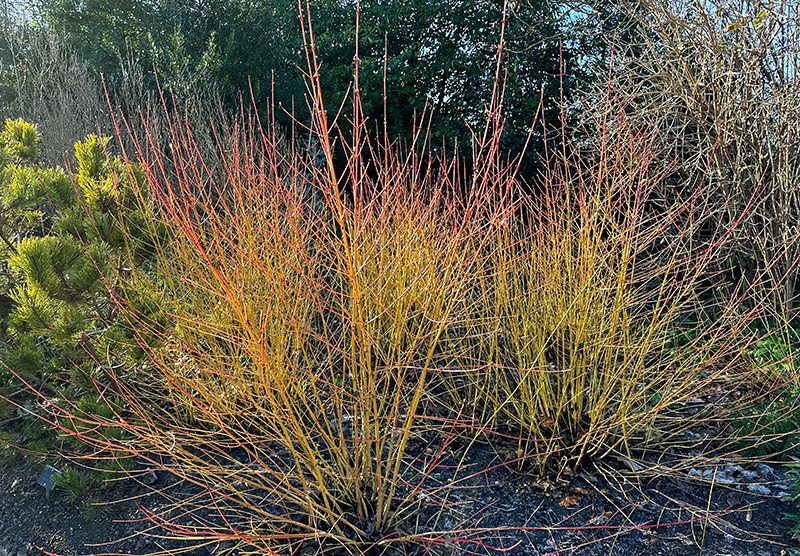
(32, 523)
(599, 511)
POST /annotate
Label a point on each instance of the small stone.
(748, 476)
(730, 474)
(694, 473)
(763, 469)
(150, 477)
(600, 520)
(759, 489)
(635, 467)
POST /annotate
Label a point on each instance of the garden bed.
(600, 510)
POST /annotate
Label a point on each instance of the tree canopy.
(440, 55)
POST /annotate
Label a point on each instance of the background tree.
(441, 58)
(101, 30)
(193, 45)
(440, 55)
(44, 82)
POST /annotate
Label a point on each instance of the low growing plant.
(768, 422)
(94, 509)
(73, 482)
(68, 247)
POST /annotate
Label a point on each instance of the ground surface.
(601, 510)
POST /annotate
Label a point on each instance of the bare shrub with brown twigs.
(722, 79)
(53, 89)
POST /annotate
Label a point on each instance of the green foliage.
(102, 29)
(93, 509)
(91, 419)
(28, 356)
(771, 428)
(36, 312)
(9, 453)
(441, 59)
(23, 187)
(84, 376)
(38, 451)
(220, 46)
(20, 140)
(65, 243)
(771, 424)
(99, 175)
(107, 471)
(73, 483)
(60, 266)
(776, 351)
(440, 55)
(37, 444)
(94, 406)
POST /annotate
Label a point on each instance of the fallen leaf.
(570, 500)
